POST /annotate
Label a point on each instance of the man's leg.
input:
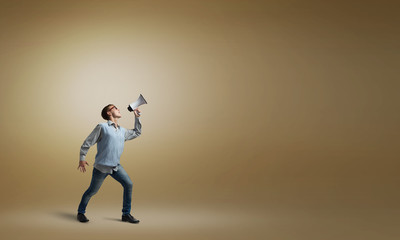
(97, 179)
(122, 177)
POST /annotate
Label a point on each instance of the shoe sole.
(83, 220)
(130, 222)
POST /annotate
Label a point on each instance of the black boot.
(82, 218)
(129, 218)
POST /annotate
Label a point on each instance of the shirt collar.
(111, 123)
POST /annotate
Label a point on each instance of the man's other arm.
(92, 139)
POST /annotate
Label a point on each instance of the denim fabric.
(97, 180)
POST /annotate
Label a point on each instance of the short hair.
(105, 110)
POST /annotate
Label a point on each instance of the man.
(110, 138)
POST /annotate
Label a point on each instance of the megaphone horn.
(137, 103)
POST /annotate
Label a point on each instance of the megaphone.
(137, 103)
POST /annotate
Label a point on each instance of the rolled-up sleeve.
(134, 133)
(92, 139)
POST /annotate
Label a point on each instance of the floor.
(191, 223)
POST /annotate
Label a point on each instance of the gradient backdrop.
(266, 119)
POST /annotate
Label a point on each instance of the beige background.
(266, 119)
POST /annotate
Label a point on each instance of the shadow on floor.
(72, 216)
(114, 219)
(66, 215)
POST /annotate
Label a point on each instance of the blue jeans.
(98, 178)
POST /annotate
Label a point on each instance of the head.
(110, 111)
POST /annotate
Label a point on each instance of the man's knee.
(92, 192)
(128, 184)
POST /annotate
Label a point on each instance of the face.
(114, 112)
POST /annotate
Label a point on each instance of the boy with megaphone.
(110, 138)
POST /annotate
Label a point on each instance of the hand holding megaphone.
(134, 106)
(137, 112)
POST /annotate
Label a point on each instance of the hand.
(82, 167)
(137, 112)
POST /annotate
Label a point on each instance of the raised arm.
(134, 133)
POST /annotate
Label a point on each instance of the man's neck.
(115, 121)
